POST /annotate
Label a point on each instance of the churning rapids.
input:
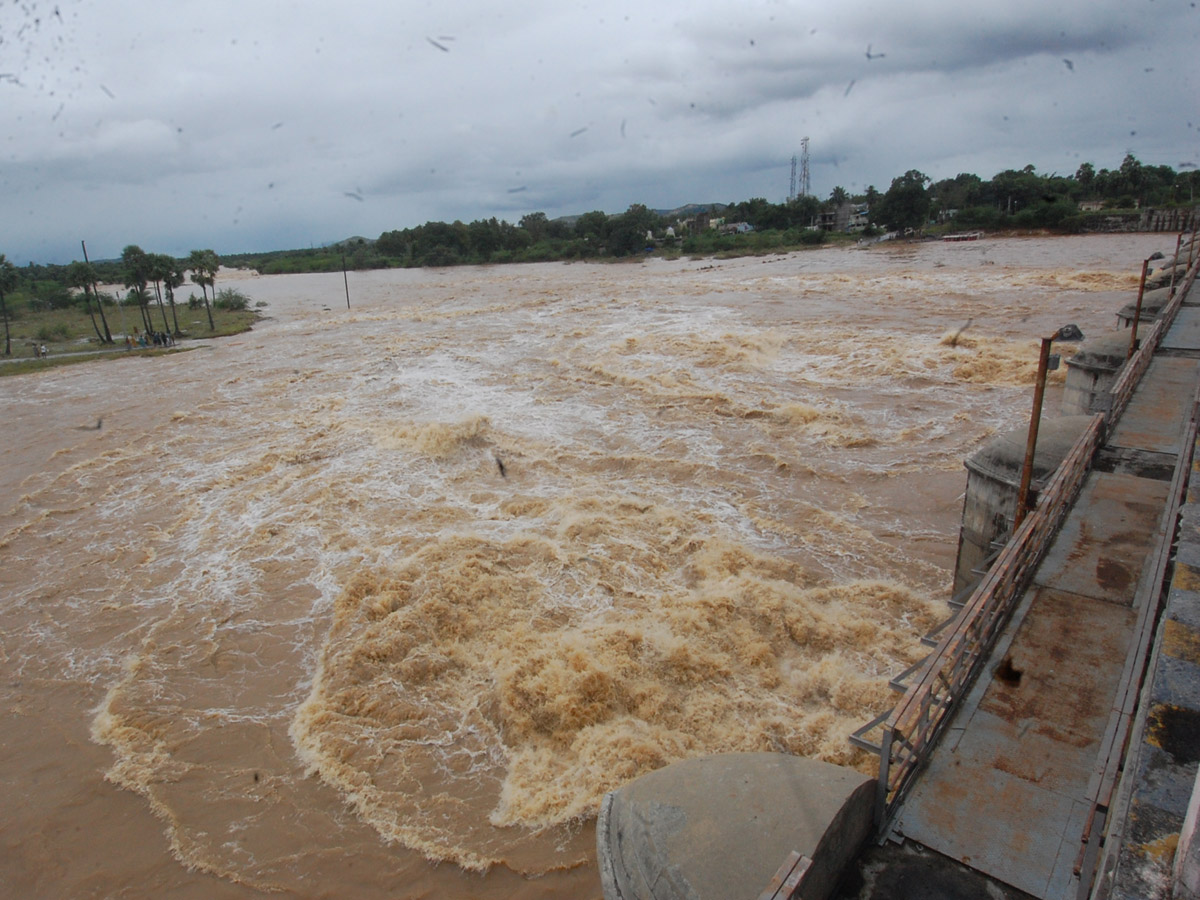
(366, 590)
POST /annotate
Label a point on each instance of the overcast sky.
(255, 125)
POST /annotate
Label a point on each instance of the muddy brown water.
(379, 602)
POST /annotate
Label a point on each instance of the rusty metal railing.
(1123, 388)
(913, 726)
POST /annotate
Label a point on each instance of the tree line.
(1013, 198)
(150, 280)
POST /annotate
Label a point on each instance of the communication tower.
(792, 189)
(805, 187)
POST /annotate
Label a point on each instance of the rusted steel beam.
(1175, 264)
(1035, 420)
(1137, 312)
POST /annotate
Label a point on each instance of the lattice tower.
(805, 187)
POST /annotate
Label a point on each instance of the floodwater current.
(379, 601)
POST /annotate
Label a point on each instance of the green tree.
(485, 239)
(1131, 176)
(627, 232)
(1085, 177)
(135, 276)
(8, 283)
(955, 193)
(393, 243)
(906, 203)
(158, 268)
(204, 265)
(837, 197)
(872, 198)
(593, 227)
(172, 280)
(537, 225)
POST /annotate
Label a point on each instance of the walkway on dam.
(1019, 786)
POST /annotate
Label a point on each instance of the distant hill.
(690, 209)
(680, 212)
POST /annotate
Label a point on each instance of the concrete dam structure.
(1048, 746)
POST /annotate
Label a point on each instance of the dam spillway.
(1026, 794)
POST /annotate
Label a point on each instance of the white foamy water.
(421, 579)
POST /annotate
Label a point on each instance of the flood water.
(379, 601)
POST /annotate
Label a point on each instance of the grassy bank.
(69, 337)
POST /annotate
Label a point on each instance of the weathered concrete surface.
(1092, 371)
(1152, 306)
(719, 827)
(1100, 551)
(1003, 456)
(1184, 334)
(993, 484)
(1008, 791)
(1161, 778)
(1158, 412)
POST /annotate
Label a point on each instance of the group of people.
(149, 339)
(40, 351)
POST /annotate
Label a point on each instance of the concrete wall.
(993, 483)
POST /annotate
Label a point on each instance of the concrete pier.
(994, 484)
(722, 827)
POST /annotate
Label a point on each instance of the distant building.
(845, 217)
(1091, 205)
(860, 217)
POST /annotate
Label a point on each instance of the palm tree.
(158, 267)
(8, 281)
(81, 275)
(873, 198)
(137, 268)
(199, 262)
(172, 280)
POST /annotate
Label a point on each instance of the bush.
(56, 332)
(441, 255)
(1071, 224)
(230, 298)
(980, 217)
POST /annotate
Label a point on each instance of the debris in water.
(952, 341)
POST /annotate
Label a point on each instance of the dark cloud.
(240, 126)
